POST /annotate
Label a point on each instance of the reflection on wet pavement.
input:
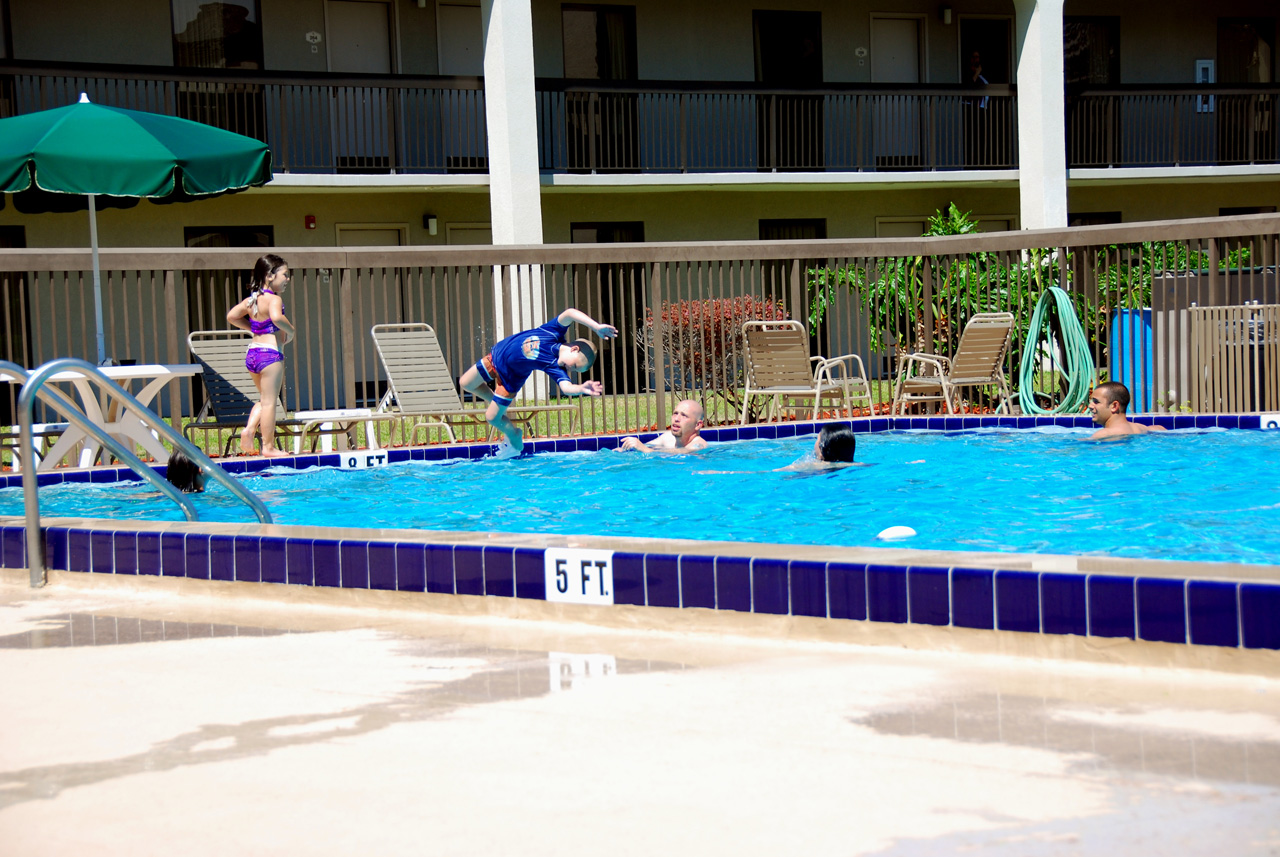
(1042, 723)
(89, 629)
(500, 675)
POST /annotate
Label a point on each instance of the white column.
(515, 204)
(1042, 142)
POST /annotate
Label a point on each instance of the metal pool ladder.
(33, 386)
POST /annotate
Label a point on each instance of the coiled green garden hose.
(1079, 362)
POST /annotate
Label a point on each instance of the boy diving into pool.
(514, 359)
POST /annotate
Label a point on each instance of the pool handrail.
(34, 385)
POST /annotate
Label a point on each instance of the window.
(1246, 50)
(1091, 50)
(217, 35)
(6, 41)
(794, 229)
(1093, 218)
(599, 42)
(788, 54)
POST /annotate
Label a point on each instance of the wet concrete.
(138, 722)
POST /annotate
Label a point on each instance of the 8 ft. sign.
(579, 576)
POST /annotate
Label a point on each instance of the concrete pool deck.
(144, 715)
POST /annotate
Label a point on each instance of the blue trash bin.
(1131, 356)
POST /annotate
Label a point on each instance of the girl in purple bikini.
(262, 314)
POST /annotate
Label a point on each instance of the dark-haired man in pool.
(1107, 405)
(514, 359)
(683, 436)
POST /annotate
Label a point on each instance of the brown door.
(788, 56)
(602, 132)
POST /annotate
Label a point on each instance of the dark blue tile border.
(929, 592)
(530, 572)
(887, 594)
(1260, 615)
(698, 581)
(411, 568)
(1064, 604)
(1213, 613)
(662, 580)
(808, 583)
(769, 587)
(499, 571)
(628, 578)
(973, 598)
(733, 583)
(1111, 607)
(847, 591)
(1162, 610)
(382, 566)
(1018, 601)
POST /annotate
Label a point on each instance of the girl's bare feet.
(246, 442)
(274, 453)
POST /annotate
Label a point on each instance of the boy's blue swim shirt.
(516, 357)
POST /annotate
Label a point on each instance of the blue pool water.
(1205, 496)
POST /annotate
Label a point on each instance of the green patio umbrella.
(93, 149)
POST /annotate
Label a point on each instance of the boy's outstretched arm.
(605, 331)
(586, 388)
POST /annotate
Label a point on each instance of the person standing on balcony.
(1107, 405)
(683, 436)
(514, 359)
(262, 314)
(977, 141)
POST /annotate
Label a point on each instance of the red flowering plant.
(702, 342)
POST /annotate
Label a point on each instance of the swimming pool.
(1194, 495)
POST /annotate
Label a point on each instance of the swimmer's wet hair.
(1115, 392)
(184, 474)
(837, 443)
(585, 346)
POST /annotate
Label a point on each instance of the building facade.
(422, 122)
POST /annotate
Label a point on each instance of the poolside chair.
(778, 365)
(230, 393)
(977, 362)
(421, 386)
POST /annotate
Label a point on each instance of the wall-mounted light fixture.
(430, 223)
(945, 14)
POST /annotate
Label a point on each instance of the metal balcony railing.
(313, 123)
(698, 127)
(1173, 126)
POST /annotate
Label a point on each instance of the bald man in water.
(683, 436)
(1107, 404)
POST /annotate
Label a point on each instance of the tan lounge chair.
(778, 365)
(230, 393)
(421, 386)
(978, 362)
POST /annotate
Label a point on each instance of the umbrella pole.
(97, 280)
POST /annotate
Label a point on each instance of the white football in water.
(896, 533)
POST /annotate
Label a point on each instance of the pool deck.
(1080, 605)
(146, 715)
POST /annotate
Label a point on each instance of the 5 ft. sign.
(579, 576)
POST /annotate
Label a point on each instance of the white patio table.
(145, 382)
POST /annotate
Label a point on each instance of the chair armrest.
(843, 362)
(937, 361)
